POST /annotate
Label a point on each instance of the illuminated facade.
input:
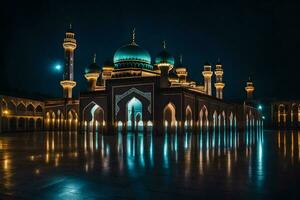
(285, 114)
(21, 114)
(136, 93)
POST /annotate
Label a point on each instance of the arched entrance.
(203, 119)
(188, 117)
(93, 117)
(72, 120)
(134, 117)
(169, 115)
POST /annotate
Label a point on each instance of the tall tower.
(249, 89)
(219, 85)
(92, 73)
(69, 45)
(181, 71)
(165, 62)
(207, 73)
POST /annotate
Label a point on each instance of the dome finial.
(133, 36)
(164, 44)
(94, 59)
(180, 59)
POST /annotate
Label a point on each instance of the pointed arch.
(134, 114)
(169, 115)
(30, 107)
(21, 107)
(3, 104)
(215, 120)
(72, 120)
(203, 118)
(223, 121)
(93, 115)
(12, 107)
(231, 120)
(188, 117)
(39, 109)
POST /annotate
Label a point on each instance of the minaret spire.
(164, 44)
(94, 59)
(219, 85)
(133, 36)
(180, 59)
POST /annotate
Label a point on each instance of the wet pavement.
(69, 165)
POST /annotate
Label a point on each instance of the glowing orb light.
(58, 67)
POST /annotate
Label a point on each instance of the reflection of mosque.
(134, 93)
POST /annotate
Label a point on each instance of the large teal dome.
(132, 55)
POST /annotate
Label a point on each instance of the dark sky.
(257, 38)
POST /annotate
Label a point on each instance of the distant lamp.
(263, 117)
(260, 107)
(57, 67)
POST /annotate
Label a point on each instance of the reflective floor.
(145, 166)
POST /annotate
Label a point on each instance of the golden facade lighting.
(207, 74)
(219, 85)
(249, 89)
(69, 45)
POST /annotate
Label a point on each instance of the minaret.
(69, 45)
(207, 73)
(107, 71)
(249, 89)
(165, 63)
(219, 85)
(92, 74)
(181, 71)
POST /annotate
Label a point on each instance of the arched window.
(21, 108)
(30, 108)
(39, 109)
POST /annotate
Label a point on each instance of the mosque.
(134, 93)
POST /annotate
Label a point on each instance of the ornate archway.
(134, 114)
(93, 117)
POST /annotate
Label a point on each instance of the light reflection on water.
(229, 157)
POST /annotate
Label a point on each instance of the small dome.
(108, 64)
(93, 68)
(164, 56)
(172, 74)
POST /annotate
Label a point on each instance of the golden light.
(5, 112)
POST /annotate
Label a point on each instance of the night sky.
(256, 38)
